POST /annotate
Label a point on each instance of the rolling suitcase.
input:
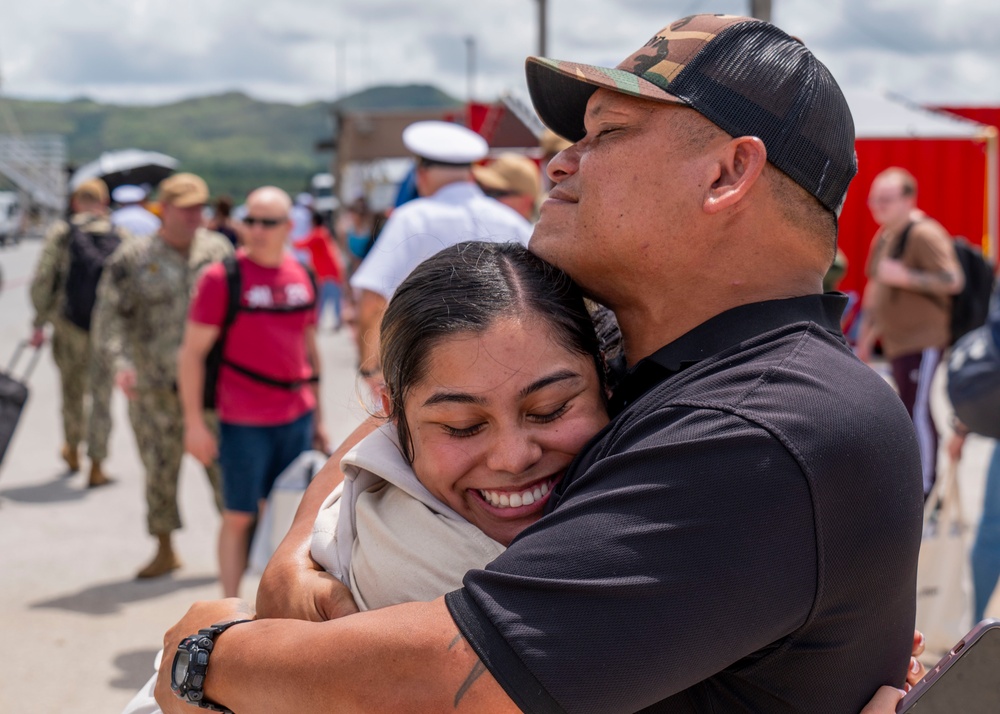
(13, 395)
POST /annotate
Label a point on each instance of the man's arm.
(197, 343)
(113, 311)
(936, 270)
(406, 658)
(371, 305)
(48, 277)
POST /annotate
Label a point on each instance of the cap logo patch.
(668, 52)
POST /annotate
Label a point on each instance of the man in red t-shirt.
(267, 390)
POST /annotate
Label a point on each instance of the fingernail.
(914, 666)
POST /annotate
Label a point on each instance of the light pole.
(542, 30)
(470, 67)
(761, 9)
(340, 65)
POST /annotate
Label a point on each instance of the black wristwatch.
(187, 676)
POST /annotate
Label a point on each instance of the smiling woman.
(494, 381)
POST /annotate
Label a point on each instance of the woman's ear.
(386, 402)
(740, 165)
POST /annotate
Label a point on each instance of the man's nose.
(564, 164)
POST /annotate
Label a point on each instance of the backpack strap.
(290, 385)
(234, 284)
(901, 245)
(213, 360)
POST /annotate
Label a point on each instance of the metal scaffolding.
(36, 164)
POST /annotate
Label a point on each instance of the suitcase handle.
(16, 357)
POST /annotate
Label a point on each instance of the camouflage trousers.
(81, 376)
(158, 422)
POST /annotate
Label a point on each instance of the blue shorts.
(252, 457)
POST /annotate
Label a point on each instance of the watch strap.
(198, 669)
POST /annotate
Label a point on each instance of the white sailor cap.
(128, 194)
(443, 142)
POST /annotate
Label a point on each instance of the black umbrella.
(126, 166)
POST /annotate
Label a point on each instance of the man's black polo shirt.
(742, 537)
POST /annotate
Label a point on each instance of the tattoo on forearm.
(930, 282)
(477, 671)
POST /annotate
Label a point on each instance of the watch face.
(182, 662)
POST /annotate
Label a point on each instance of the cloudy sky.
(154, 51)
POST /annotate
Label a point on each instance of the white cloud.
(149, 51)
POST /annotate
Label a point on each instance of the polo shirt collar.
(724, 331)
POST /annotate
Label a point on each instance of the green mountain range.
(232, 140)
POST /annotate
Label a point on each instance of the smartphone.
(965, 681)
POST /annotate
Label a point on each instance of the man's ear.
(741, 163)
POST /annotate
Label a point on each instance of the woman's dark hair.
(466, 288)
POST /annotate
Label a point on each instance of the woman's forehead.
(510, 346)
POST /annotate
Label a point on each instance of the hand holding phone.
(965, 681)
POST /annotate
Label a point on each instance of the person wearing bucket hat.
(451, 208)
(514, 180)
(739, 538)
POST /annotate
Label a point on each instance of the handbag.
(282, 503)
(944, 572)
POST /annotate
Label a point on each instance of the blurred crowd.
(203, 311)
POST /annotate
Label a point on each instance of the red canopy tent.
(954, 161)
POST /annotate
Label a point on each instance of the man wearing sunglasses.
(260, 308)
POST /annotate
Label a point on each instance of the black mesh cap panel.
(755, 80)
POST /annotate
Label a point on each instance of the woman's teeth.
(505, 499)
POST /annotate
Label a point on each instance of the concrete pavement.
(79, 631)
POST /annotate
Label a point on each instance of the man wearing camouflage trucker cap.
(742, 537)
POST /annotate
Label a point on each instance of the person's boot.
(97, 476)
(71, 457)
(163, 562)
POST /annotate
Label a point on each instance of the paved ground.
(79, 632)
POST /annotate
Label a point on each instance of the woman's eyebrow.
(466, 398)
(453, 398)
(558, 376)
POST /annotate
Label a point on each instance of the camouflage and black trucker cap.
(745, 75)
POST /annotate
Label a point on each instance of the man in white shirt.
(452, 208)
(132, 214)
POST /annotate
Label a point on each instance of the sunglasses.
(263, 222)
